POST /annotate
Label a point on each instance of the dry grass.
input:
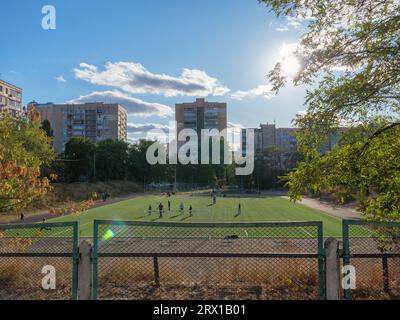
(370, 280)
(194, 278)
(208, 278)
(21, 278)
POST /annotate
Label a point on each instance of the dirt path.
(44, 214)
(342, 211)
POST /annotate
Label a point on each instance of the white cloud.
(297, 22)
(282, 28)
(261, 90)
(145, 127)
(132, 105)
(135, 78)
(232, 125)
(61, 79)
(301, 113)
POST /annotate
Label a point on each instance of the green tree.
(111, 160)
(79, 159)
(351, 52)
(24, 148)
(141, 171)
(46, 126)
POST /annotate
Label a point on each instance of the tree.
(79, 159)
(140, 170)
(351, 49)
(111, 159)
(46, 126)
(24, 148)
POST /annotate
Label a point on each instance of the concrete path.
(342, 211)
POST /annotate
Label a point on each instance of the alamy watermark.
(49, 280)
(349, 277)
(185, 148)
(49, 19)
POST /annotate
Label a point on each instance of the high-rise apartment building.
(200, 115)
(95, 121)
(10, 98)
(283, 140)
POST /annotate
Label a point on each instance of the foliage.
(46, 126)
(111, 160)
(74, 208)
(24, 148)
(351, 48)
(78, 159)
(141, 171)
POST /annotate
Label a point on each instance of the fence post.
(85, 271)
(332, 277)
(156, 272)
(385, 268)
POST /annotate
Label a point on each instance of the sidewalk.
(342, 211)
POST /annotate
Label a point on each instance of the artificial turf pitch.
(264, 209)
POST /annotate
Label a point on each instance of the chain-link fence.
(38, 261)
(373, 249)
(142, 260)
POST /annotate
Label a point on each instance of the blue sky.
(226, 47)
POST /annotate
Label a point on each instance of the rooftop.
(10, 84)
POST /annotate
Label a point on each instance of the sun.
(290, 66)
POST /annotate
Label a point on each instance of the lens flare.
(109, 235)
(291, 66)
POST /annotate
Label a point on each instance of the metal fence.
(158, 260)
(373, 249)
(27, 251)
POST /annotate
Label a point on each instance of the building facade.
(282, 140)
(200, 115)
(95, 121)
(10, 98)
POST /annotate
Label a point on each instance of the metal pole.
(94, 166)
(385, 274)
(156, 272)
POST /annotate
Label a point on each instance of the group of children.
(182, 206)
(161, 208)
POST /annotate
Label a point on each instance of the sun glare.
(290, 66)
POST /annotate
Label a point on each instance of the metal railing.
(29, 251)
(373, 249)
(160, 260)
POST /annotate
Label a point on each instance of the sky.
(149, 55)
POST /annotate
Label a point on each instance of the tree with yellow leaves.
(24, 148)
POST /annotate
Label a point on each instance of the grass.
(226, 210)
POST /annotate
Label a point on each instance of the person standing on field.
(149, 210)
(161, 208)
(190, 210)
(169, 205)
(181, 207)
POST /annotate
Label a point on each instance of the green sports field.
(225, 210)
